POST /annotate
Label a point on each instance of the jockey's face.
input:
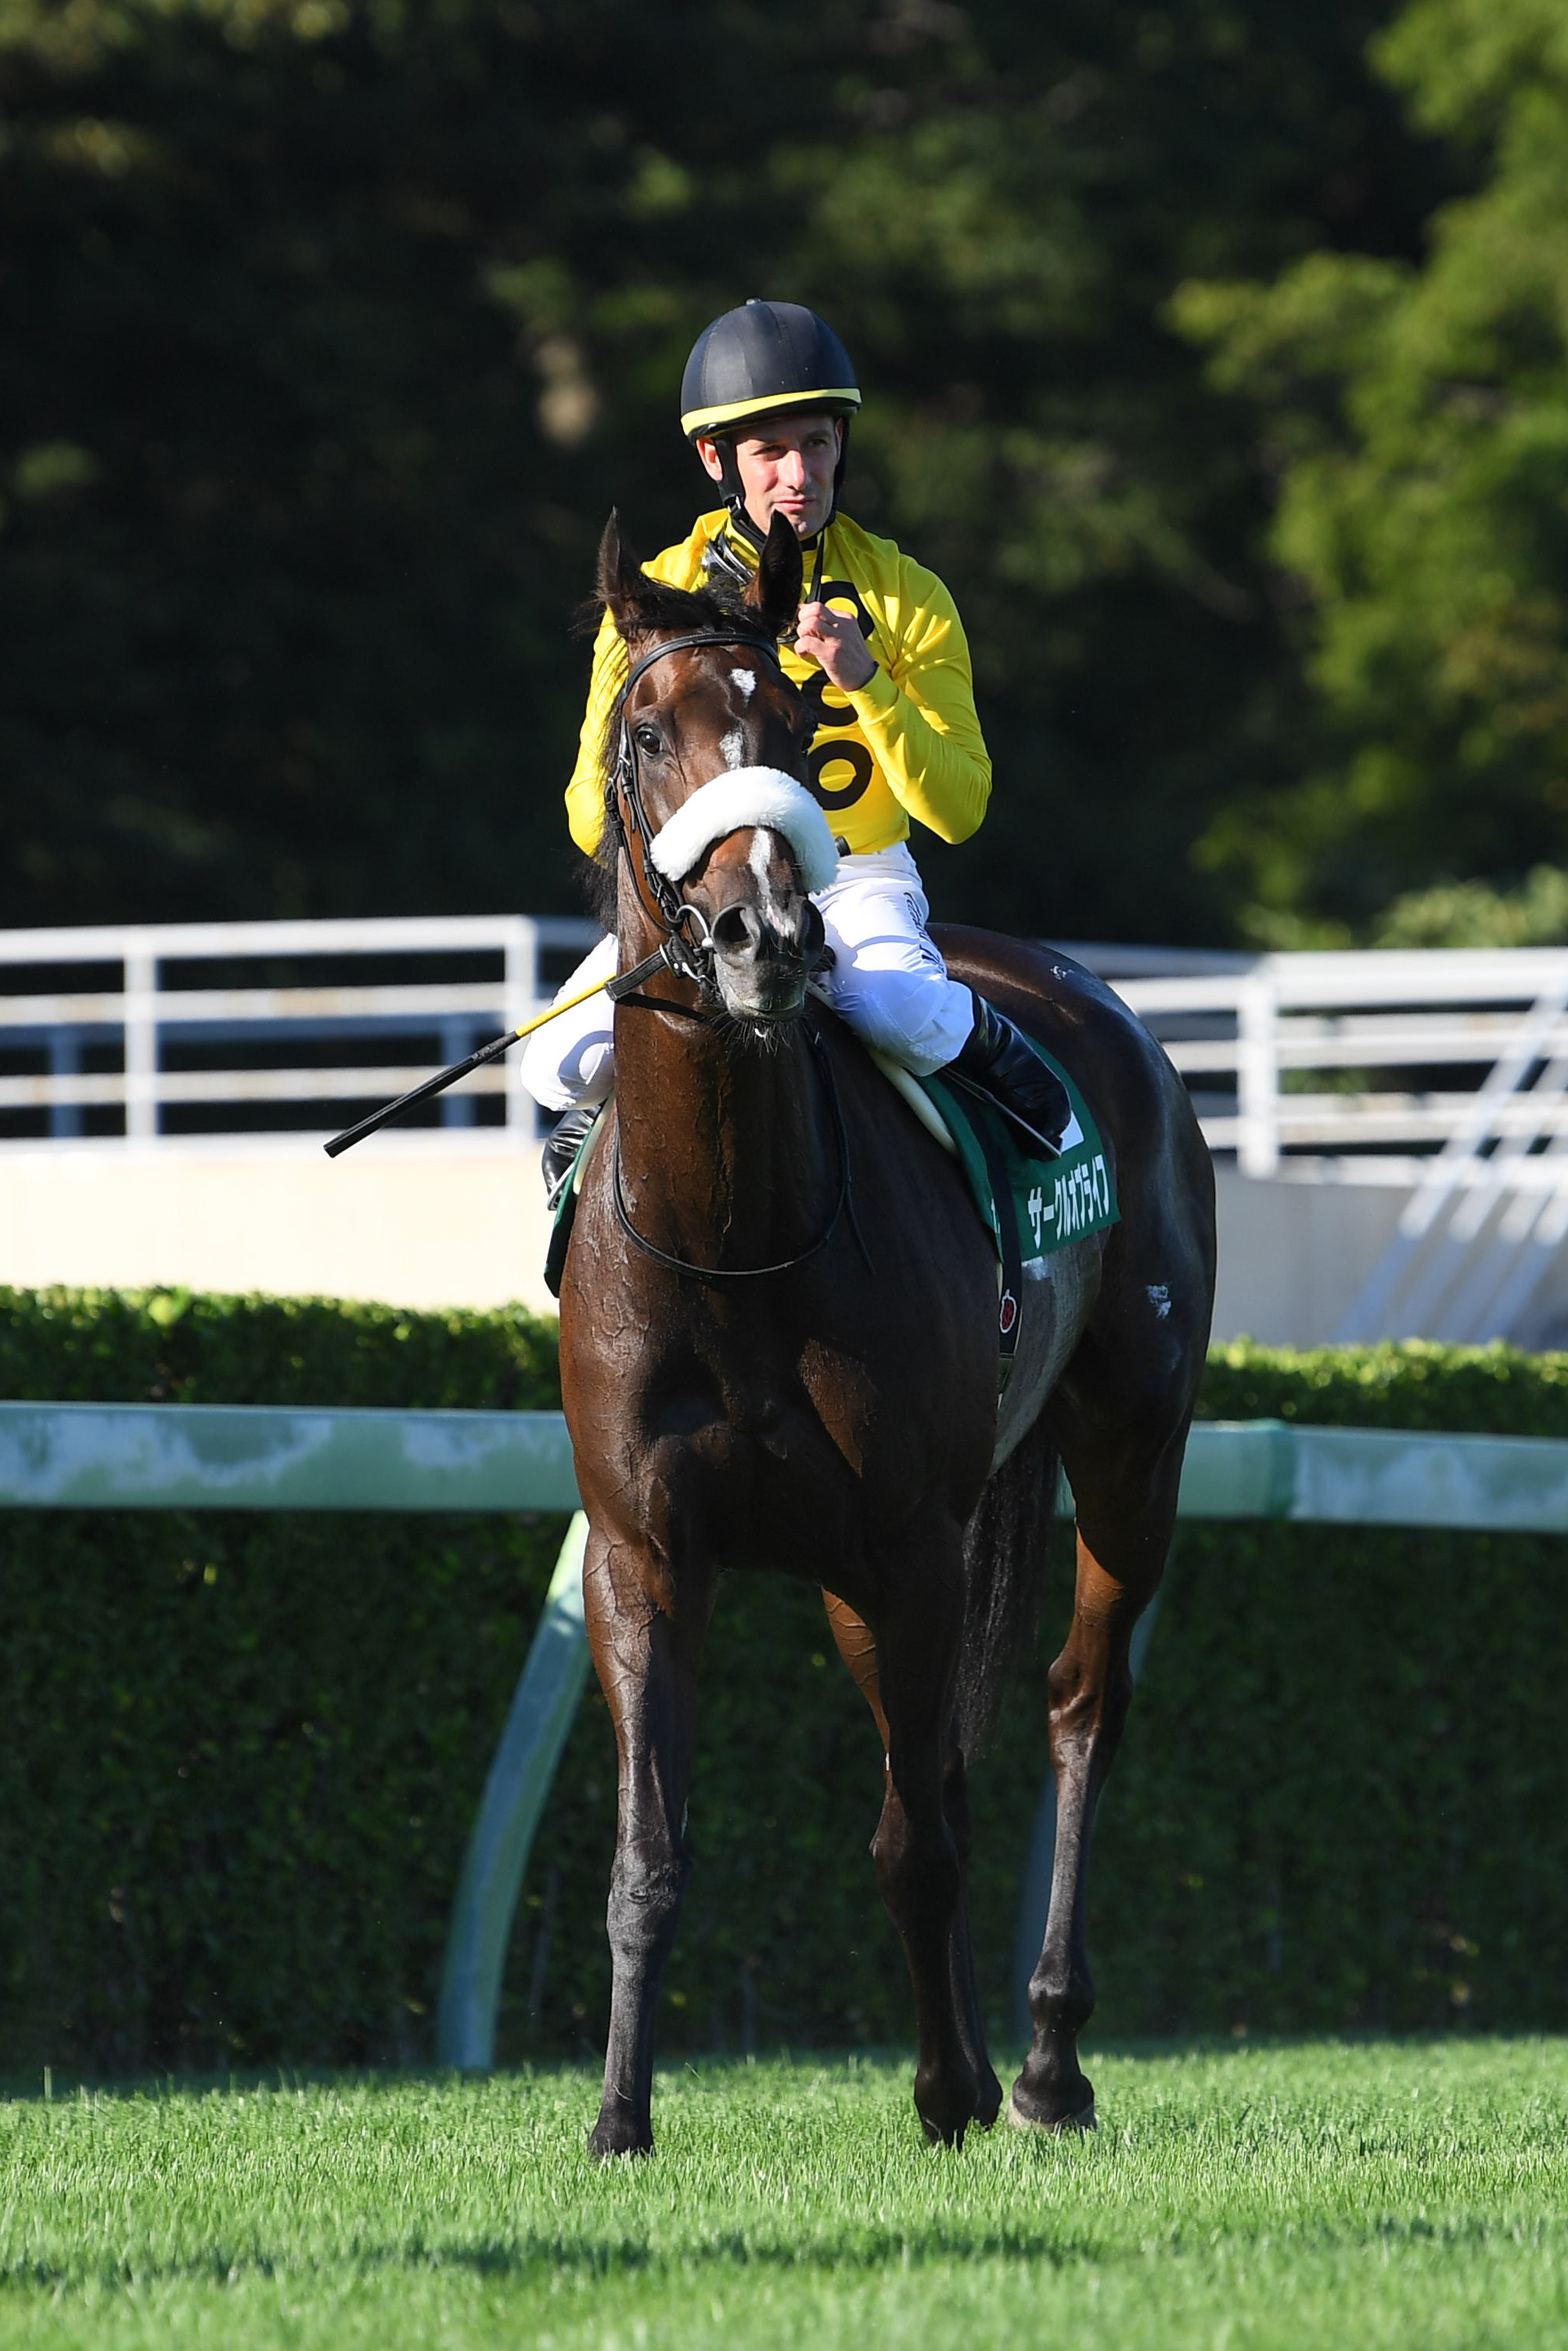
(786, 466)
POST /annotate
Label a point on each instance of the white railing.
(1445, 1071)
(116, 1032)
(1379, 1026)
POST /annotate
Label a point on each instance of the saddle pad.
(1050, 1202)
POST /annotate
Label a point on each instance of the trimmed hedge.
(245, 1750)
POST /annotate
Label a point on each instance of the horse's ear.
(622, 582)
(775, 594)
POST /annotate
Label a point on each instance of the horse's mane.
(661, 609)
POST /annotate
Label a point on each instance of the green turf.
(1329, 2193)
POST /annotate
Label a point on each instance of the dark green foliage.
(244, 1756)
(1416, 422)
(244, 1751)
(169, 1346)
(1409, 1384)
(331, 331)
(1340, 1801)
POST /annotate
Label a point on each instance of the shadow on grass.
(543, 2256)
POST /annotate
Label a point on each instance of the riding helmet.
(752, 364)
(759, 358)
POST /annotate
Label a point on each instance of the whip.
(614, 988)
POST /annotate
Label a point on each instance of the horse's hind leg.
(1124, 1483)
(646, 1631)
(918, 1868)
(857, 1647)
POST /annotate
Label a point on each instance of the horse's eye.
(648, 740)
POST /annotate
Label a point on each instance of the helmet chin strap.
(724, 563)
(740, 519)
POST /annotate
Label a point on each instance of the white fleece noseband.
(736, 802)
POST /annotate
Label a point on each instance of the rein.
(673, 1264)
(690, 958)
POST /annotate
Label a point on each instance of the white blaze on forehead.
(761, 859)
(747, 681)
(733, 747)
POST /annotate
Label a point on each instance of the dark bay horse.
(778, 1351)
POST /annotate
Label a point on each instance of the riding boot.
(562, 1147)
(998, 1058)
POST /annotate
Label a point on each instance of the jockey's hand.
(833, 641)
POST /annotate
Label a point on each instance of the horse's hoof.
(1086, 2119)
(946, 2104)
(605, 2142)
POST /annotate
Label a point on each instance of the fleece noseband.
(736, 802)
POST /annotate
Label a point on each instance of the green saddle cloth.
(1029, 1206)
(1053, 1201)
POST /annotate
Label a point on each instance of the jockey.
(767, 398)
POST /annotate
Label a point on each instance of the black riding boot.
(562, 1146)
(998, 1058)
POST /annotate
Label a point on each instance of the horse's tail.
(1006, 1548)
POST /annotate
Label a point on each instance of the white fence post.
(524, 990)
(1258, 1071)
(140, 1034)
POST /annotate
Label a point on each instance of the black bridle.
(687, 946)
(692, 958)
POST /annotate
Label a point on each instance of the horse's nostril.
(737, 931)
(809, 931)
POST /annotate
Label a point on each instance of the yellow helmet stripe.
(703, 419)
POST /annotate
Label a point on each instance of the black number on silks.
(825, 747)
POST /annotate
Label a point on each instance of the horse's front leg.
(918, 1863)
(645, 1628)
(1127, 1496)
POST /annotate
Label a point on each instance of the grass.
(1379, 2193)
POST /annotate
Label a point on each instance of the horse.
(778, 1317)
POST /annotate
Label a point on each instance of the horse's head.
(707, 763)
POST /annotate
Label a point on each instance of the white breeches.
(888, 983)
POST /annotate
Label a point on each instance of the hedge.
(245, 1750)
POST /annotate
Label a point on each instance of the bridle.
(688, 949)
(687, 946)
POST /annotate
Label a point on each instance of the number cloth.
(907, 745)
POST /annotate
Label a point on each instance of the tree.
(1417, 415)
(332, 329)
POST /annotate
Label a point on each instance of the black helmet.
(759, 358)
(753, 362)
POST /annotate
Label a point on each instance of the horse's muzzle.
(762, 964)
